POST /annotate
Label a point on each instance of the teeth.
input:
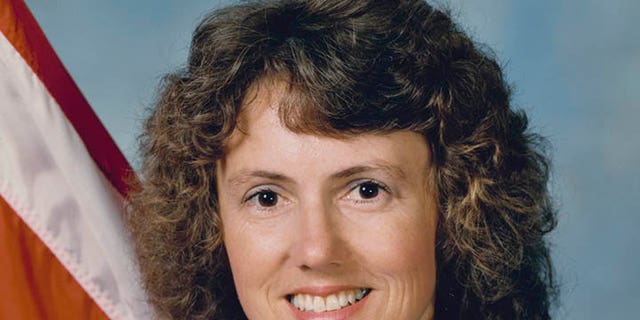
(318, 304)
(342, 299)
(359, 294)
(351, 297)
(332, 302)
(308, 303)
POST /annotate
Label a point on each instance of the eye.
(367, 192)
(263, 198)
(267, 198)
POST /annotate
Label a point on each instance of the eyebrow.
(245, 176)
(389, 169)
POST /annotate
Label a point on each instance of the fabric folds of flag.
(64, 253)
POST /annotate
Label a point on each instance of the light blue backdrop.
(575, 65)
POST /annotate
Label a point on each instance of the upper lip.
(323, 290)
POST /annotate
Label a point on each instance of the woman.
(342, 160)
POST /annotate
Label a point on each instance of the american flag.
(64, 253)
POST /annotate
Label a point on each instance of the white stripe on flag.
(50, 180)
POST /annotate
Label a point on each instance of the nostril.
(317, 243)
(318, 264)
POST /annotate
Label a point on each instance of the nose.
(319, 243)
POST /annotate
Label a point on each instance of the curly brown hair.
(358, 66)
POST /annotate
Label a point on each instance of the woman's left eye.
(367, 191)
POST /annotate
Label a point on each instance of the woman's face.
(324, 228)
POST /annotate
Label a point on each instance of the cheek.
(254, 255)
(239, 249)
(402, 251)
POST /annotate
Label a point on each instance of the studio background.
(574, 66)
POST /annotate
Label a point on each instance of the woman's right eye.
(267, 198)
(264, 198)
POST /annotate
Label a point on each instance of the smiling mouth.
(332, 302)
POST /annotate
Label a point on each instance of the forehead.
(263, 99)
(272, 95)
(262, 142)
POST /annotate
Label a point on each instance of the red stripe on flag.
(35, 284)
(22, 30)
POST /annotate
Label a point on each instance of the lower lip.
(342, 314)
